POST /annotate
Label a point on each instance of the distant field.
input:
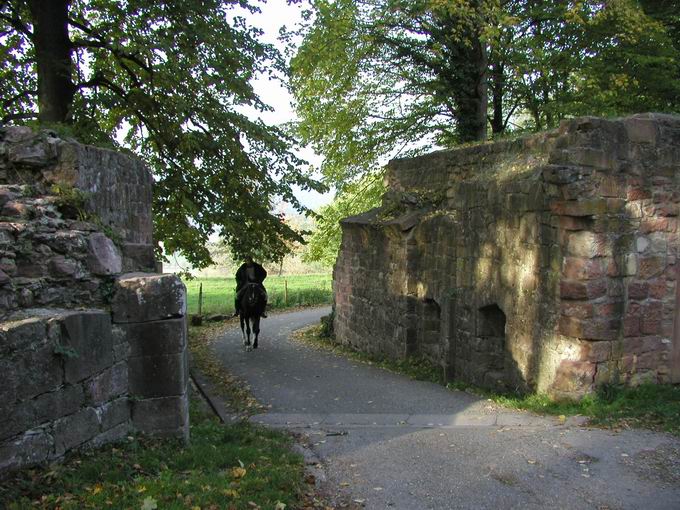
(218, 293)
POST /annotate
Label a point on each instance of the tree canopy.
(355, 198)
(377, 78)
(173, 80)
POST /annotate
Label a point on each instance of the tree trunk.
(497, 89)
(472, 102)
(53, 59)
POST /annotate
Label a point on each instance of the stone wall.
(546, 263)
(89, 352)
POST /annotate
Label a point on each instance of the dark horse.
(252, 303)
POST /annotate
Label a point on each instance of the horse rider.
(249, 272)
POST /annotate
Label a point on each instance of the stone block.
(156, 337)
(596, 351)
(33, 447)
(158, 376)
(588, 244)
(167, 416)
(577, 268)
(640, 130)
(75, 430)
(585, 207)
(112, 435)
(103, 255)
(138, 257)
(148, 297)
(40, 370)
(638, 290)
(574, 377)
(20, 334)
(109, 384)
(649, 267)
(114, 413)
(61, 267)
(86, 335)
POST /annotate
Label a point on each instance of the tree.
(377, 78)
(173, 77)
(324, 242)
(373, 75)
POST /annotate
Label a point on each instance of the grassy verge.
(218, 293)
(652, 406)
(224, 467)
(235, 391)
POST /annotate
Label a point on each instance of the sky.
(274, 15)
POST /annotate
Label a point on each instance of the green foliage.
(356, 198)
(388, 77)
(173, 80)
(71, 202)
(224, 466)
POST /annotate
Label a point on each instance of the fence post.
(285, 292)
(200, 298)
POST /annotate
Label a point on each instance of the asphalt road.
(387, 442)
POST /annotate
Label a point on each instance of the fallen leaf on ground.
(238, 472)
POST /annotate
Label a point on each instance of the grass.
(235, 467)
(218, 293)
(651, 406)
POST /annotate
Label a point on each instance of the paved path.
(388, 442)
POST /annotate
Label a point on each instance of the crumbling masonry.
(92, 341)
(547, 263)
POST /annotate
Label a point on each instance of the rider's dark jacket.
(250, 273)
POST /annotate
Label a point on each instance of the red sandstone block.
(638, 290)
(570, 326)
(652, 311)
(574, 223)
(588, 244)
(597, 288)
(589, 207)
(608, 310)
(577, 268)
(648, 267)
(647, 360)
(573, 290)
(612, 267)
(637, 193)
(596, 351)
(578, 310)
(610, 186)
(628, 363)
(667, 209)
(648, 225)
(658, 289)
(604, 329)
(650, 327)
(574, 374)
(631, 326)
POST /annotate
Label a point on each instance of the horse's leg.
(256, 329)
(243, 333)
(248, 331)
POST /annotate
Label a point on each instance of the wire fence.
(215, 295)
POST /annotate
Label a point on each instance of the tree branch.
(17, 25)
(23, 93)
(18, 116)
(101, 42)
